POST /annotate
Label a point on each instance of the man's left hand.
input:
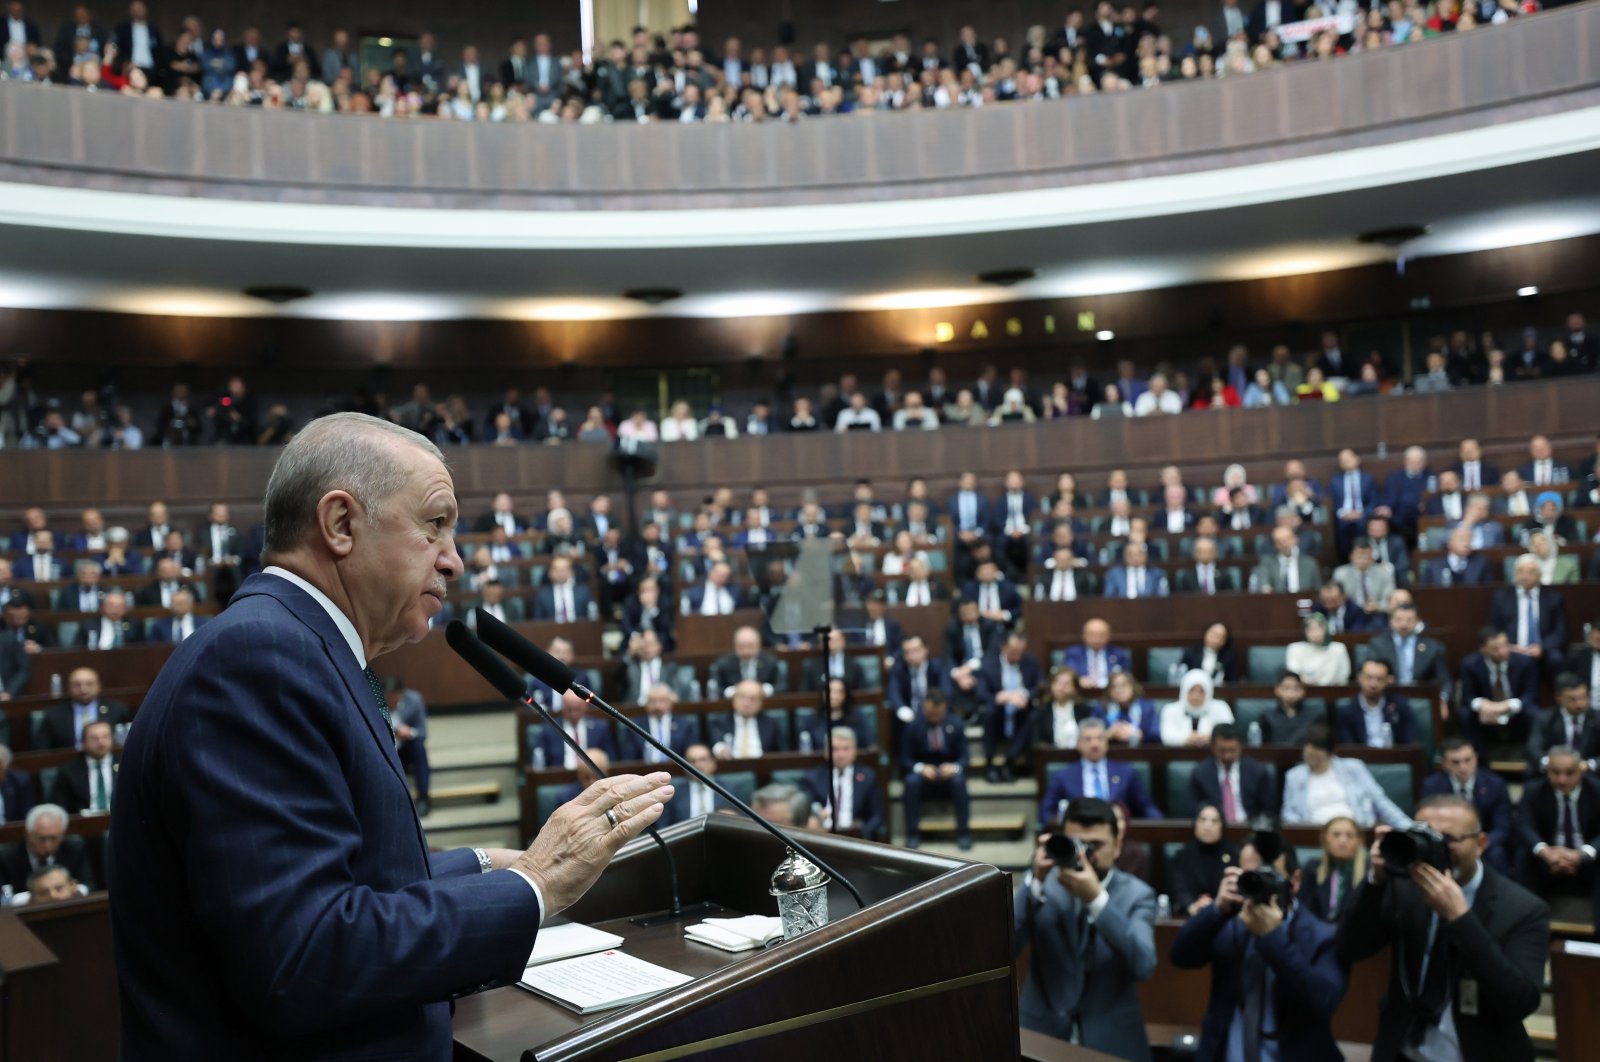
(1261, 918)
(404, 733)
(1084, 883)
(1440, 890)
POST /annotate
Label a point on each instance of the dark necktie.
(1497, 686)
(1255, 990)
(375, 684)
(936, 739)
(1564, 830)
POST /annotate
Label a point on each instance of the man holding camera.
(1093, 934)
(1276, 978)
(1466, 964)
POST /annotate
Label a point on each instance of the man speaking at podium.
(272, 892)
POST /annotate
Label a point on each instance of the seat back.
(1180, 801)
(1265, 662)
(1247, 710)
(1159, 663)
(741, 784)
(1395, 780)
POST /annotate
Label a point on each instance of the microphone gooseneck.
(559, 677)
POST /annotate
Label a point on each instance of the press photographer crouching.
(1467, 944)
(1276, 978)
(1093, 934)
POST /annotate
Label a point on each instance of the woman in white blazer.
(1326, 786)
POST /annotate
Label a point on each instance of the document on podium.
(601, 981)
(569, 939)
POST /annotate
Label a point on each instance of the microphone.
(561, 678)
(501, 677)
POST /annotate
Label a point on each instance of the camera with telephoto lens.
(1263, 884)
(1068, 852)
(1417, 843)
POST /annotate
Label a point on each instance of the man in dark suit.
(169, 580)
(1533, 616)
(1413, 657)
(1134, 577)
(997, 598)
(268, 733)
(1571, 722)
(170, 630)
(1204, 575)
(1352, 494)
(1012, 676)
(912, 676)
(1096, 659)
(1010, 523)
(17, 19)
(837, 664)
(84, 595)
(1459, 775)
(717, 596)
(16, 790)
(1460, 566)
(573, 717)
(111, 629)
(646, 670)
(1542, 469)
(1470, 946)
(1249, 790)
(1242, 941)
(44, 844)
(1362, 719)
(676, 732)
(20, 626)
(969, 635)
(1558, 828)
(969, 512)
(562, 598)
(1472, 472)
(1584, 664)
(745, 733)
(847, 785)
(1269, 15)
(1390, 548)
(1403, 490)
(15, 667)
(933, 755)
(62, 726)
(880, 630)
(87, 783)
(1498, 690)
(1094, 776)
(501, 515)
(747, 662)
(138, 40)
(695, 798)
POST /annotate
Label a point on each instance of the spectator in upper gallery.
(1317, 659)
(716, 426)
(1366, 582)
(1316, 388)
(1548, 517)
(1289, 720)
(1112, 404)
(1287, 570)
(1190, 719)
(1413, 657)
(1376, 716)
(1135, 577)
(1534, 616)
(1543, 470)
(1093, 775)
(1264, 391)
(637, 428)
(858, 416)
(1324, 787)
(1436, 379)
(1558, 828)
(915, 414)
(1158, 399)
(1554, 568)
(679, 424)
(1353, 494)
(1499, 690)
(801, 417)
(1460, 566)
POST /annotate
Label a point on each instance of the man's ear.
(336, 517)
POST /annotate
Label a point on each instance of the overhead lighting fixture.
(1393, 235)
(1105, 335)
(1531, 289)
(278, 294)
(653, 296)
(1005, 278)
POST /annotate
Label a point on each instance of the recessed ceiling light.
(1531, 289)
(1005, 278)
(653, 296)
(1105, 335)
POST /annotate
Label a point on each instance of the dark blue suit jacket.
(1077, 658)
(1493, 801)
(18, 792)
(1403, 495)
(681, 734)
(274, 896)
(1066, 783)
(1350, 722)
(866, 809)
(1308, 981)
(597, 736)
(1478, 572)
(980, 511)
(1367, 495)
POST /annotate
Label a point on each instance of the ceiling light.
(1005, 278)
(1531, 289)
(1105, 335)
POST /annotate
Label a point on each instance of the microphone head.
(535, 661)
(484, 662)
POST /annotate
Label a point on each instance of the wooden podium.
(924, 971)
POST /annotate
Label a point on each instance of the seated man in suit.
(1472, 471)
(501, 515)
(62, 726)
(51, 885)
(1012, 676)
(16, 667)
(113, 629)
(1542, 469)
(675, 732)
(1287, 569)
(562, 598)
(717, 596)
(933, 755)
(880, 630)
(1096, 658)
(1571, 722)
(1204, 576)
(746, 734)
(1291, 954)
(837, 664)
(696, 798)
(169, 580)
(1343, 615)
(1366, 582)
(916, 589)
(1448, 500)
(997, 599)
(1585, 663)
(86, 783)
(1389, 548)
(1475, 944)
(911, 677)
(1534, 616)
(969, 636)
(1459, 775)
(588, 733)
(1289, 721)
(1135, 577)
(170, 630)
(16, 789)
(85, 595)
(646, 669)
(1460, 566)
(844, 796)
(747, 663)
(1240, 787)
(1353, 493)
(44, 844)
(495, 602)
(1092, 931)
(1499, 691)
(1483, 531)
(1094, 776)
(1375, 716)
(1413, 657)
(1558, 828)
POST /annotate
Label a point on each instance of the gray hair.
(782, 793)
(45, 811)
(342, 451)
(117, 534)
(1563, 752)
(1091, 724)
(842, 733)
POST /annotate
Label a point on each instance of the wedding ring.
(611, 817)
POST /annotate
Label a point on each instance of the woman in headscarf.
(1195, 873)
(1548, 517)
(1189, 719)
(1328, 881)
(1318, 660)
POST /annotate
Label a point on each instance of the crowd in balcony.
(678, 77)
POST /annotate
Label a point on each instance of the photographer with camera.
(1467, 944)
(1092, 929)
(1276, 978)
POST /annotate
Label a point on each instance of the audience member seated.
(1096, 659)
(588, 733)
(16, 789)
(968, 637)
(1459, 775)
(562, 598)
(1011, 676)
(44, 844)
(838, 664)
(842, 712)
(1558, 828)
(63, 724)
(1533, 616)
(1328, 881)
(84, 595)
(1289, 721)
(1339, 611)
(1585, 663)
(1572, 722)
(694, 798)
(1413, 657)
(1056, 722)
(494, 601)
(1499, 692)
(113, 629)
(22, 628)
(1194, 874)
(16, 668)
(1135, 577)
(1375, 716)
(1239, 787)
(1389, 548)
(1287, 570)
(1325, 786)
(1189, 719)
(586, 777)
(847, 786)
(997, 599)
(1483, 531)
(1460, 566)
(1214, 655)
(1365, 582)
(969, 512)
(1555, 568)
(933, 754)
(646, 669)
(41, 565)
(1472, 471)
(1132, 718)
(880, 630)
(1542, 470)
(1547, 516)
(747, 663)
(87, 782)
(1353, 493)
(1317, 660)
(1135, 857)
(646, 611)
(1094, 776)
(49, 885)
(746, 734)
(916, 589)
